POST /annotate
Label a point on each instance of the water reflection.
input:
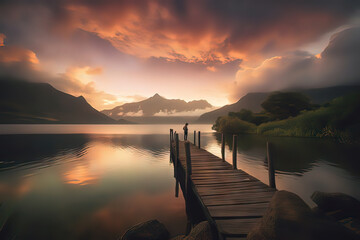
(302, 165)
(31, 149)
(94, 186)
(296, 155)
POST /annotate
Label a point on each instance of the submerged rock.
(150, 230)
(202, 231)
(337, 201)
(288, 217)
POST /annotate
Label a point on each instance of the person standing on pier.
(185, 131)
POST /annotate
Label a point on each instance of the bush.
(340, 119)
(229, 124)
(249, 116)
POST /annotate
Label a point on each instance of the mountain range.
(26, 102)
(158, 109)
(252, 101)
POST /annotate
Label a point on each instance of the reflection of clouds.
(101, 183)
(120, 214)
(109, 154)
(80, 175)
(14, 189)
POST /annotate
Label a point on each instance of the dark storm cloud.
(235, 28)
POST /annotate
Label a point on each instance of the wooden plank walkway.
(234, 200)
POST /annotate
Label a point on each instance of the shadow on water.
(296, 155)
(18, 150)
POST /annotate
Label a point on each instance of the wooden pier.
(232, 200)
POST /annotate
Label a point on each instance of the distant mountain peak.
(156, 95)
(157, 106)
(81, 98)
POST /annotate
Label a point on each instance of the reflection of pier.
(231, 200)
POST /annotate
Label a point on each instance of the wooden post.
(177, 149)
(270, 166)
(188, 166)
(195, 138)
(223, 146)
(171, 146)
(234, 151)
(199, 138)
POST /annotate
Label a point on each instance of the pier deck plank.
(234, 199)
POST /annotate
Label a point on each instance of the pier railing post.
(171, 140)
(195, 138)
(188, 165)
(223, 146)
(199, 138)
(234, 153)
(177, 148)
(270, 166)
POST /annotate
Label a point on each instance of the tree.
(244, 114)
(283, 105)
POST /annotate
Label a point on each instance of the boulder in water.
(337, 201)
(150, 230)
(289, 217)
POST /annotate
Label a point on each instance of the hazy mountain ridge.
(252, 101)
(156, 106)
(25, 102)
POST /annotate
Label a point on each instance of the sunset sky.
(113, 52)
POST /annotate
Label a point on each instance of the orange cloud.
(83, 74)
(94, 71)
(200, 31)
(80, 81)
(9, 54)
(211, 68)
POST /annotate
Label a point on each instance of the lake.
(95, 181)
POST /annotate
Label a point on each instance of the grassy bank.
(339, 119)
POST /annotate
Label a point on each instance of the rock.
(180, 237)
(150, 230)
(337, 201)
(202, 231)
(288, 217)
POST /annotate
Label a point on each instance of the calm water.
(95, 181)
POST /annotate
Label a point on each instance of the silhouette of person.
(185, 131)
